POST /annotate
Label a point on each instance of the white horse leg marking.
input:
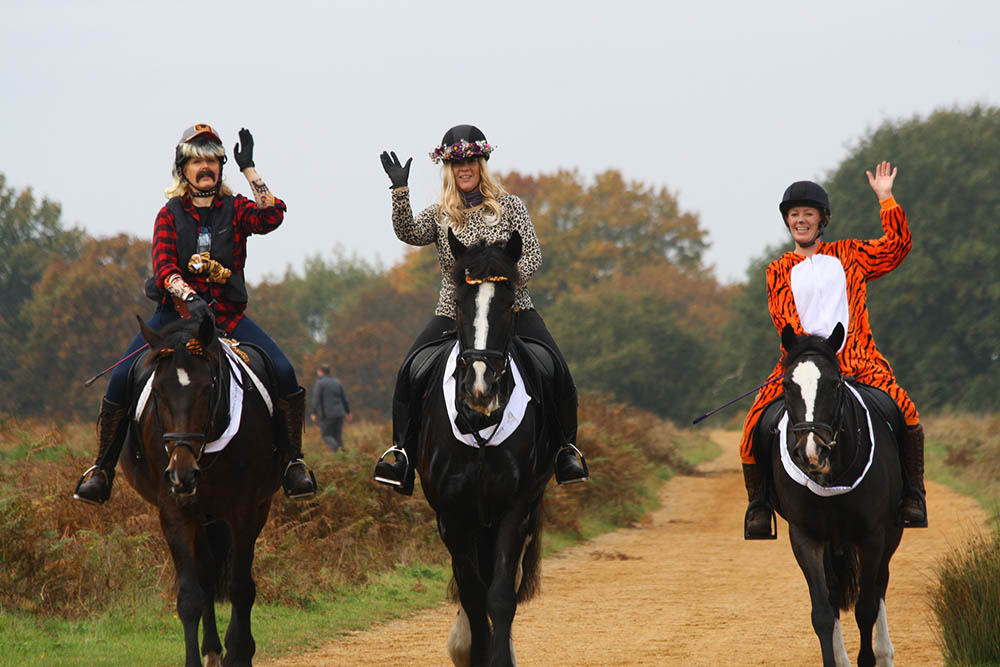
(806, 376)
(460, 640)
(182, 377)
(883, 646)
(480, 329)
(520, 565)
(213, 660)
(840, 656)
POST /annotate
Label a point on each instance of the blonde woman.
(476, 208)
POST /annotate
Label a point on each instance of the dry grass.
(65, 558)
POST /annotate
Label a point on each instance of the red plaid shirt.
(247, 219)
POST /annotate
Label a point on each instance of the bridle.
(825, 433)
(188, 439)
(497, 359)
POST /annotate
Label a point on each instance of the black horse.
(843, 531)
(212, 505)
(488, 498)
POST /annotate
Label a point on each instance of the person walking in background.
(330, 407)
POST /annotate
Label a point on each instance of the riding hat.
(804, 193)
(460, 142)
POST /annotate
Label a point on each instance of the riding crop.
(116, 365)
(740, 397)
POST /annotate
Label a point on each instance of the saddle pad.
(512, 415)
(235, 399)
(800, 477)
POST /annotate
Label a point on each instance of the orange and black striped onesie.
(814, 293)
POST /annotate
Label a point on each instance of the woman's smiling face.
(466, 173)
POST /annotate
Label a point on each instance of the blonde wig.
(452, 206)
(192, 149)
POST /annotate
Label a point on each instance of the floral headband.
(462, 150)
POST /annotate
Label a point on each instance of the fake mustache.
(205, 172)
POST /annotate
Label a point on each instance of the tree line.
(623, 287)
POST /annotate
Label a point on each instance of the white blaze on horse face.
(480, 329)
(806, 376)
(182, 377)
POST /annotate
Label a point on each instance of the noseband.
(825, 433)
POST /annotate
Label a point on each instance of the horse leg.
(501, 597)
(869, 606)
(213, 550)
(191, 597)
(240, 646)
(466, 647)
(825, 621)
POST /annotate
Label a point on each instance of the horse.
(843, 531)
(488, 499)
(212, 506)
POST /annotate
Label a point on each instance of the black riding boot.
(400, 473)
(111, 429)
(569, 470)
(299, 481)
(914, 509)
(757, 524)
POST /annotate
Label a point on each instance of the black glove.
(198, 308)
(244, 156)
(398, 174)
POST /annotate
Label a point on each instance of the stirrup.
(83, 478)
(388, 480)
(772, 523)
(583, 464)
(305, 495)
(910, 523)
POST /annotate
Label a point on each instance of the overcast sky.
(723, 103)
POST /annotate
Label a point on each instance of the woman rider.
(476, 208)
(814, 287)
(199, 251)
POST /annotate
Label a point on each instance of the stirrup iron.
(386, 480)
(583, 464)
(83, 478)
(299, 496)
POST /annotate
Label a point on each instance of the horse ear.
(457, 249)
(836, 338)
(788, 337)
(206, 331)
(152, 337)
(514, 246)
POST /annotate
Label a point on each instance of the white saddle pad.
(800, 477)
(512, 415)
(235, 398)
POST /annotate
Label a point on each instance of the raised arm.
(421, 230)
(878, 257)
(269, 211)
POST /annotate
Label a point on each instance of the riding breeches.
(245, 332)
(876, 377)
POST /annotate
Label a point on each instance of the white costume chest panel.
(819, 286)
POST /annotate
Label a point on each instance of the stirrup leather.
(312, 476)
(387, 480)
(583, 464)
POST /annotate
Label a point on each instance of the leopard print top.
(428, 228)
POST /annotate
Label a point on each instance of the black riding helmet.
(199, 140)
(460, 142)
(806, 193)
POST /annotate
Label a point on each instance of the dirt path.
(684, 588)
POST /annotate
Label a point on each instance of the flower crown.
(461, 150)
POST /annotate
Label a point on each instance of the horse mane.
(484, 261)
(175, 337)
(811, 344)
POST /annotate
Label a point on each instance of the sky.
(722, 103)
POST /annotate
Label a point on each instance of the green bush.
(966, 602)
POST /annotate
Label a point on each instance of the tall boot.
(400, 473)
(914, 509)
(299, 481)
(111, 429)
(569, 470)
(757, 523)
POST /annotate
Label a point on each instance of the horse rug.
(850, 478)
(513, 412)
(237, 367)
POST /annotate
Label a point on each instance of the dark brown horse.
(212, 505)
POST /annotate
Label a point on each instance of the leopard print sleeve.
(419, 231)
(520, 220)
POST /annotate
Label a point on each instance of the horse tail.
(842, 567)
(220, 546)
(530, 571)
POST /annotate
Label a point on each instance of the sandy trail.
(684, 588)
